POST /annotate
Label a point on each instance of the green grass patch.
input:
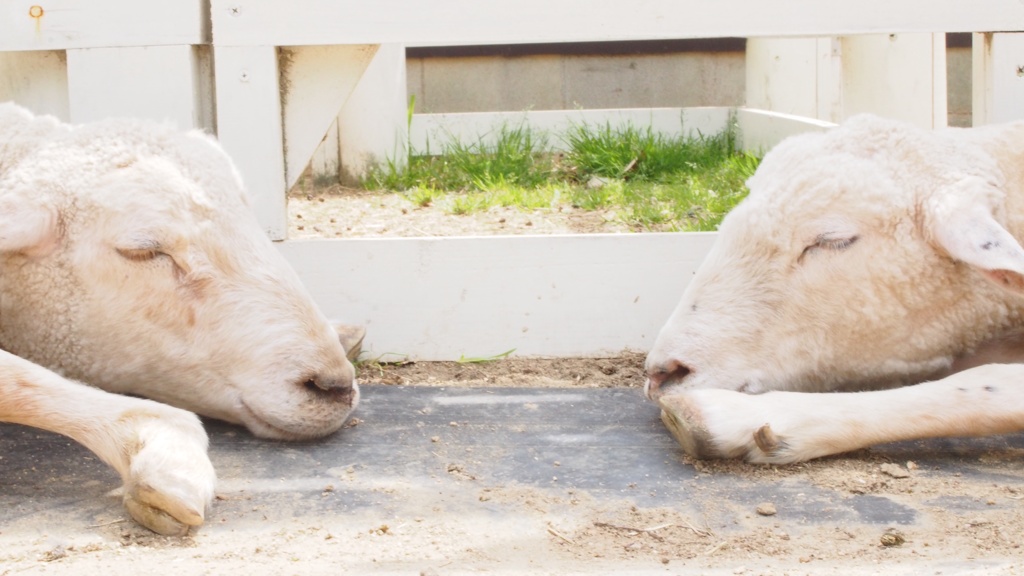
(650, 181)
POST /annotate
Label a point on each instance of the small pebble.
(766, 509)
(892, 537)
(895, 470)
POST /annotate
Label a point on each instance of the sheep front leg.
(160, 451)
(786, 427)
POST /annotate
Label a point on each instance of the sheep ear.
(964, 225)
(351, 338)
(27, 227)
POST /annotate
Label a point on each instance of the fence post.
(36, 79)
(157, 82)
(249, 127)
(800, 76)
(998, 77)
(900, 76)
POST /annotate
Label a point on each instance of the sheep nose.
(334, 387)
(660, 374)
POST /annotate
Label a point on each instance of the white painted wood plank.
(37, 80)
(998, 86)
(442, 298)
(62, 24)
(830, 79)
(761, 129)
(429, 132)
(940, 81)
(249, 128)
(157, 82)
(304, 22)
(900, 76)
(981, 78)
(318, 80)
(782, 75)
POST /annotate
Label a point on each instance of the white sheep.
(131, 261)
(874, 256)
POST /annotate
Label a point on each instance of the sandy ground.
(528, 531)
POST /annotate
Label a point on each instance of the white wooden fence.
(271, 77)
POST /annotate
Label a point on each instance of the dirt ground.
(623, 371)
(542, 532)
(459, 522)
(346, 213)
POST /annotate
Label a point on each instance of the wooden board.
(161, 83)
(447, 22)
(63, 24)
(443, 298)
(998, 78)
(249, 126)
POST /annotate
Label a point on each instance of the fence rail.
(446, 22)
(70, 24)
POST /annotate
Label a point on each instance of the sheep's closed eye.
(141, 254)
(152, 252)
(835, 243)
(830, 243)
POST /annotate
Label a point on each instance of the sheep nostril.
(658, 376)
(329, 388)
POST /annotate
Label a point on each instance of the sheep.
(132, 263)
(877, 261)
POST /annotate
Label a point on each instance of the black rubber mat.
(608, 443)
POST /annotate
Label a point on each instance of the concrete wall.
(958, 77)
(493, 83)
(560, 82)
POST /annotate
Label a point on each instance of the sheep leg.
(159, 451)
(785, 427)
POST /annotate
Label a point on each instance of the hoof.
(687, 426)
(164, 515)
(766, 440)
